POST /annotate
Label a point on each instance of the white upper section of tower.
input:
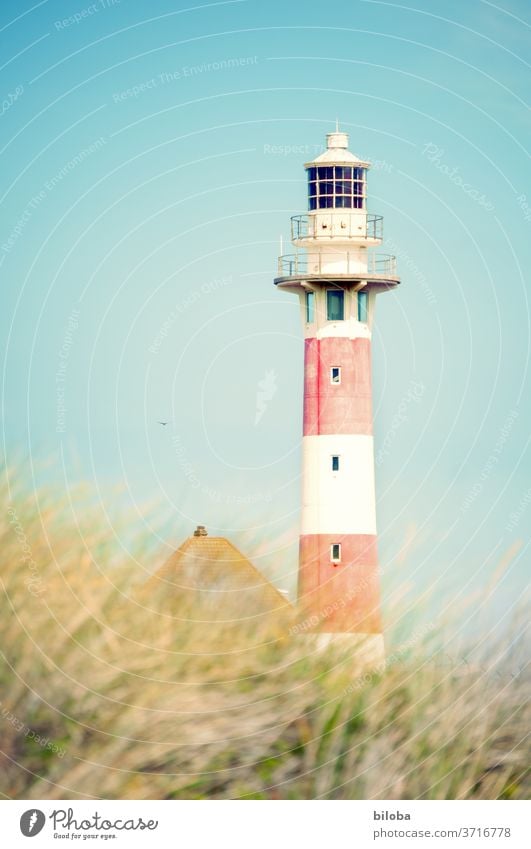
(337, 231)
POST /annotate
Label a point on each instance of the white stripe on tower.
(342, 501)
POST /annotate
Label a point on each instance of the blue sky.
(152, 157)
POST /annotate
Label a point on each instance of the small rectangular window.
(335, 462)
(335, 552)
(363, 299)
(335, 305)
(335, 374)
(310, 307)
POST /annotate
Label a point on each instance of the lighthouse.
(336, 275)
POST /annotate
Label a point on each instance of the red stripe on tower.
(346, 597)
(344, 406)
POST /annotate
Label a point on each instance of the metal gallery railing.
(298, 264)
(329, 225)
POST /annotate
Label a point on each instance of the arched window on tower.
(310, 307)
(335, 305)
(363, 306)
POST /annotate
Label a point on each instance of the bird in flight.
(163, 423)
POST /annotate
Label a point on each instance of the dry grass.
(140, 701)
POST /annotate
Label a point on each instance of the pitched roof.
(339, 156)
(222, 575)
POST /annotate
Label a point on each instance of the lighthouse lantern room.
(337, 276)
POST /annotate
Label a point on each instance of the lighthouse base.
(366, 652)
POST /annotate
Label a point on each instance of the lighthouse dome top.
(337, 140)
(337, 153)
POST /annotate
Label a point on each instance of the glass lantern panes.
(336, 187)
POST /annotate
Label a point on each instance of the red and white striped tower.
(337, 278)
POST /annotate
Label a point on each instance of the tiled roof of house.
(224, 577)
